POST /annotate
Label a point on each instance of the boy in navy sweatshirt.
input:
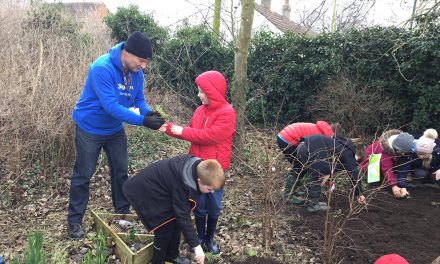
(163, 196)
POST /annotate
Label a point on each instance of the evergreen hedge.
(287, 73)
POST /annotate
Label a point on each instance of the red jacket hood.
(213, 84)
(294, 132)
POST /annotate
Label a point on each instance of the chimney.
(286, 10)
(266, 3)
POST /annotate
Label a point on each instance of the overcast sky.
(170, 12)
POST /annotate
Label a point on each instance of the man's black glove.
(153, 120)
(154, 113)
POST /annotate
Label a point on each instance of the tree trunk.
(240, 71)
(216, 22)
(332, 23)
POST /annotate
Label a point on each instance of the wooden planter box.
(125, 254)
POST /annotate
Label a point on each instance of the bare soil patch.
(410, 228)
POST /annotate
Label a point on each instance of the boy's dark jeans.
(209, 204)
(166, 243)
(313, 168)
(88, 147)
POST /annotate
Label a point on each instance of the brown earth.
(409, 227)
(257, 260)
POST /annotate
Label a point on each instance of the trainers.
(299, 193)
(75, 231)
(297, 200)
(317, 207)
(179, 260)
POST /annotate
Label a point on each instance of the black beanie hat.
(139, 44)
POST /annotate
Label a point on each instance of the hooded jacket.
(388, 158)
(166, 191)
(293, 133)
(103, 105)
(412, 161)
(212, 127)
(319, 155)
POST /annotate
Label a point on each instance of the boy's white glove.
(200, 255)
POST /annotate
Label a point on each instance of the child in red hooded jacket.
(288, 139)
(210, 132)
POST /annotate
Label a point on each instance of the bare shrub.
(361, 109)
(261, 159)
(42, 77)
(336, 184)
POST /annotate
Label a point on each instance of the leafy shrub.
(288, 72)
(190, 52)
(50, 18)
(284, 73)
(126, 20)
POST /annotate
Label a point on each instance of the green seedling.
(161, 111)
(34, 253)
(99, 254)
(251, 252)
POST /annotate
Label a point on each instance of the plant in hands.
(161, 111)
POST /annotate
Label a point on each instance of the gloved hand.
(200, 255)
(153, 120)
(154, 113)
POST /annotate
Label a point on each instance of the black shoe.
(317, 207)
(75, 231)
(212, 246)
(297, 200)
(179, 260)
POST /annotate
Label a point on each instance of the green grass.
(146, 146)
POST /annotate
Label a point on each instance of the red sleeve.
(364, 164)
(169, 133)
(386, 167)
(222, 128)
(325, 128)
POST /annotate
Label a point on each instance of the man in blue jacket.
(112, 94)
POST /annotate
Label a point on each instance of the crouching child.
(319, 156)
(163, 195)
